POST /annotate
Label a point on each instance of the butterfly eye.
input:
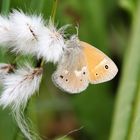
(106, 67)
(96, 74)
(66, 80)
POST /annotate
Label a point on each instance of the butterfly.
(81, 64)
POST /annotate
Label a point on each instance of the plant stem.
(128, 84)
(135, 123)
(53, 13)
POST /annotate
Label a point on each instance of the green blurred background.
(113, 27)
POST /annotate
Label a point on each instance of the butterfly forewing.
(100, 67)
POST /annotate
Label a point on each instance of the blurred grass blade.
(129, 5)
(55, 3)
(128, 83)
(5, 6)
(135, 124)
(37, 6)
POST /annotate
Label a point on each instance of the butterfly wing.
(100, 67)
(71, 74)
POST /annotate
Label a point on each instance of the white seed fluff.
(51, 44)
(4, 31)
(25, 31)
(18, 88)
(28, 34)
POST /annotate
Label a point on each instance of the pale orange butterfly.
(82, 64)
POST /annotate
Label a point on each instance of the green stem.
(135, 123)
(128, 5)
(53, 13)
(128, 84)
(5, 6)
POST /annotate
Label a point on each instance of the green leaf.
(128, 84)
(135, 124)
(129, 5)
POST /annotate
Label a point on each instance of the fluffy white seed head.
(25, 31)
(31, 36)
(5, 31)
(51, 43)
(28, 34)
(18, 88)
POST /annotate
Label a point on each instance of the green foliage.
(128, 85)
(129, 5)
(134, 128)
(5, 6)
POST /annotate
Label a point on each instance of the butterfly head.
(73, 42)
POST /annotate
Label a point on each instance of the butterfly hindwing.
(71, 74)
